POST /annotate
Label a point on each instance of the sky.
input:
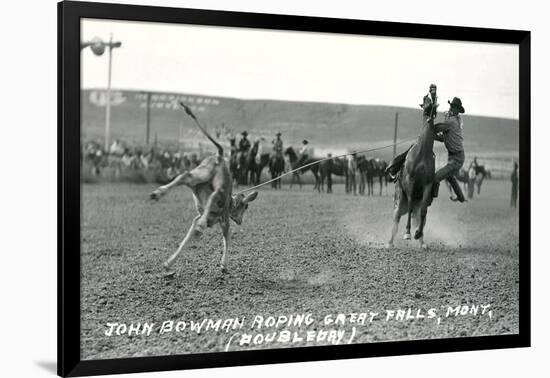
(303, 66)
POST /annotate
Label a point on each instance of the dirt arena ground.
(297, 252)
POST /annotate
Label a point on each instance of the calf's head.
(239, 204)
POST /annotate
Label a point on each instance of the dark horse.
(376, 169)
(256, 163)
(276, 168)
(362, 166)
(251, 166)
(334, 166)
(242, 168)
(233, 161)
(413, 188)
(295, 163)
(370, 169)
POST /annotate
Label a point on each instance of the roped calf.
(212, 185)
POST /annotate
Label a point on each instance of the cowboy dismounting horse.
(414, 184)
(415, 173)
(450, 133)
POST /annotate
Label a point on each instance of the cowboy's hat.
(278, 133)
(244, 133)
(457, 104)
(305, 141)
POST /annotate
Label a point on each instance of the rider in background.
(305, 152)
(277, 145)
(515, 180)
(244, 143)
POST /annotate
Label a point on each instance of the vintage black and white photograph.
(246, 189)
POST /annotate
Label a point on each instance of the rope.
(190, 113)
(321, 160)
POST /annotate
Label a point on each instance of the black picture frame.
(69, 15)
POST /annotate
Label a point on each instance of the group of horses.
(413, 194)
(358, 171)
(247, 167)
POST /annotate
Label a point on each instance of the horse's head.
(289, 151)
(256, 145)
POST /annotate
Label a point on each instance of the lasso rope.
(321, 160)
(190, 113)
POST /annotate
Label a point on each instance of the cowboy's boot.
(435, 189)
(456, 188)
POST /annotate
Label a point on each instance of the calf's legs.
(191, 233)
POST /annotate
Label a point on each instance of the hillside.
(329, 127)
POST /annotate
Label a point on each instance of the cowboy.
(450, 133)
(429, 111)
(515, 180)
(244, 144)
(474, 164)
(305, 152)
(277, 144)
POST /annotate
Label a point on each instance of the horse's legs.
(371, 185)
(398, 211)
(346, 184)
(479, 182)
(407, 235)
(380, 177)
(317, 181)
(419, 234)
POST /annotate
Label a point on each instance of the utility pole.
(98, 48)
(395, 134)
(148, 120)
